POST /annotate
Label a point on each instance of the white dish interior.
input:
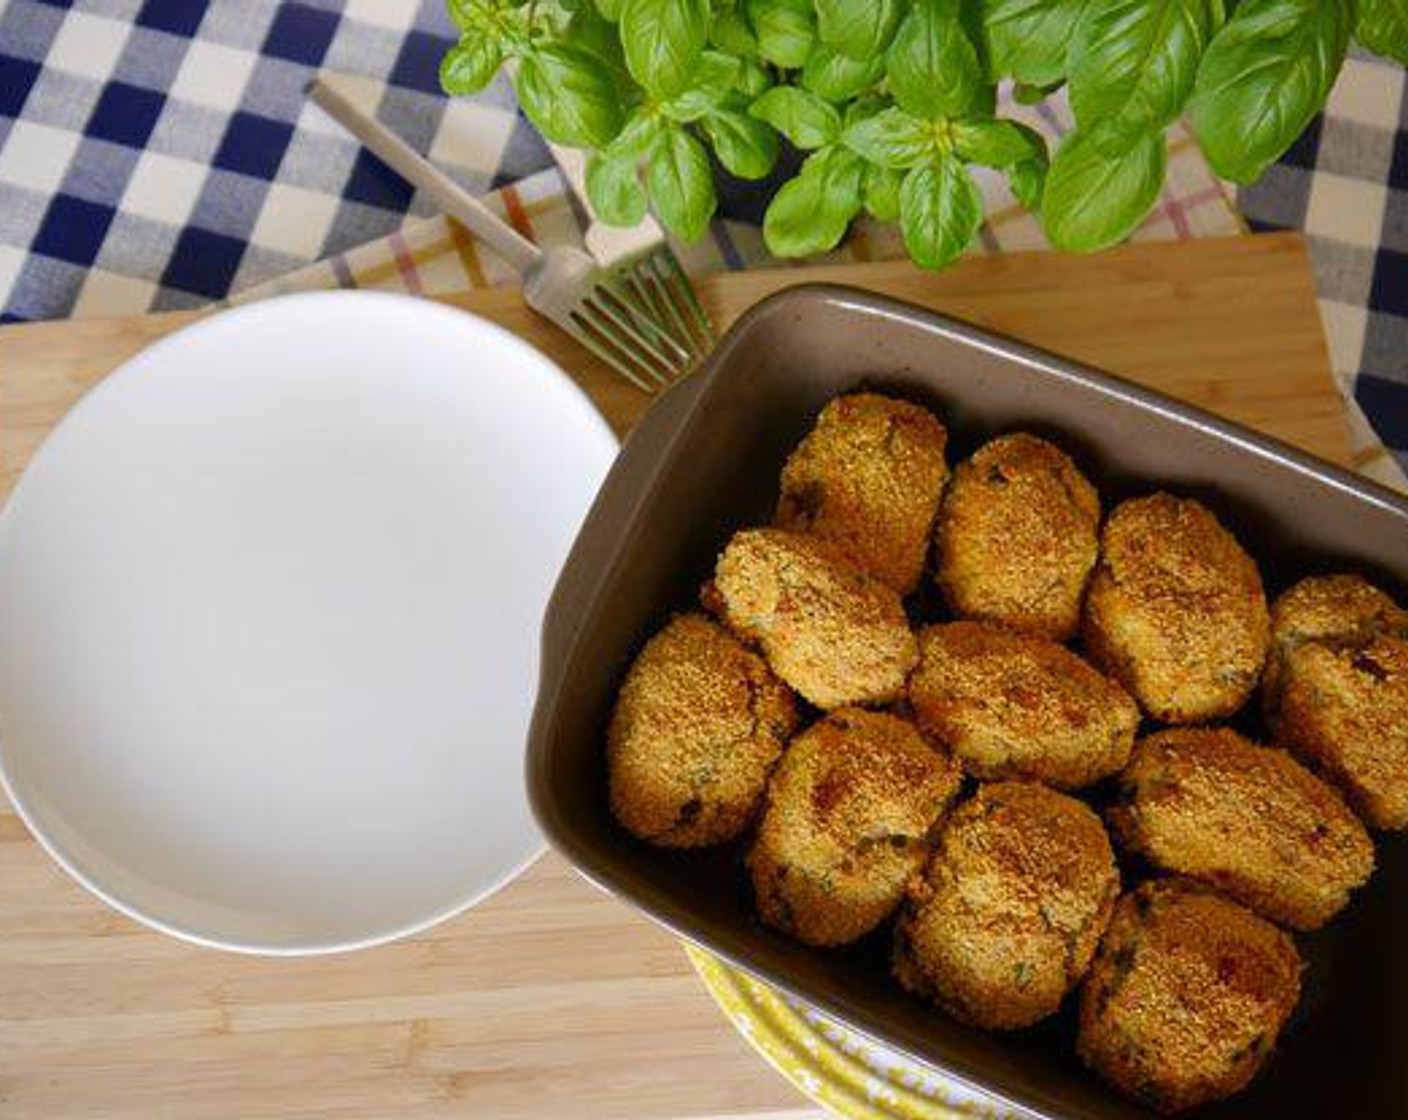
(270, 600)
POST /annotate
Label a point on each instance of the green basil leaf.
(882, 192)
(610, 9)
(588, 30)
(467, 15)
(470, 65)
(730, 32)
(745, 146)
(786, 30)
(637, 137)
(1028, 181)
(1029, 39)
(836, 77)
(1007, 146)
(713, 81)
(859, 29)
(862, 107)
(663, 40)
(933, 67)
(1264, 76)
(892, 138)
(1383, 28)
(940, 211)
(681, 184)
(999, 144)
(614, 187)
(1093, 199)
(568, 94)
(800, 115)
(753, 79)
(812, 212)
(1134, 61)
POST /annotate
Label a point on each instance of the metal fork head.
(642, 318)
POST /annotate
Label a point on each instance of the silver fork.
(644, 319)
(640, 253)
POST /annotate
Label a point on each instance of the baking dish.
(705, 461)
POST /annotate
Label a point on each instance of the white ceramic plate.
(270, 601)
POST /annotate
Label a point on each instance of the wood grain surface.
(551, 999)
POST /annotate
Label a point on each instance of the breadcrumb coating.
(1337, 690)
(846, 824)
(868, 478)
(1017, 537)
(1010, 705)
(1176, 610)
(1010, 910)
(1246, 819)
(835, 634)
(1187, 996)
(697, 727)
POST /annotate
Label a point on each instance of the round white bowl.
(270, 599)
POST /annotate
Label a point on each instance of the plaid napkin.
(435, 256)
(1345, 183)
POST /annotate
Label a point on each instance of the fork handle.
(448, 195)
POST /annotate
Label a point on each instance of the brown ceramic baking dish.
(705, 461)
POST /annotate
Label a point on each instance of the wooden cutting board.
(551, 999)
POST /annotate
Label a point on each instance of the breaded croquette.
(835, 634)
(697, 728)
(1017, 537)
(1176, 610)
(1010, 910)
(1339, 609)
(1337, 690)
(1009, 705)
(1186, 997)
(1248, 820)
(846, 823)
(868, 478)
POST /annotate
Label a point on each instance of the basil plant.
(893, 101)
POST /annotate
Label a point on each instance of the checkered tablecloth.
(160, 154)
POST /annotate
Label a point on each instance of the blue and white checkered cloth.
(161, 154)
(158, 154)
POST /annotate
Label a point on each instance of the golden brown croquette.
(1017, 537)
(1186, 997)
(1336, 690)
(698, 725)
(1010, 705)
(868, 478)
(1176, 610)
(835, 634)
(1248, 820)
(1344, 609)
(1340, 610)
(845, 824)
(1009, 912)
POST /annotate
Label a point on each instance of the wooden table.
(551, 999)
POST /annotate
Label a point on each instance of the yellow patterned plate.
(832, 1065)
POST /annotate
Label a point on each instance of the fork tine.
(608, 354)
(644, 314)
(609, 332)
(650, 275)
(641, 296)
(684, 289)
(663, 367)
